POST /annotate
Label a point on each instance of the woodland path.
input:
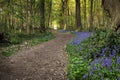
(46, 61)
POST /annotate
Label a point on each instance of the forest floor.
(46, 61)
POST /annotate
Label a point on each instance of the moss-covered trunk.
(112, 9)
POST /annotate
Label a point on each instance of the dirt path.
(46, 61)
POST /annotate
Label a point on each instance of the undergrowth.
(97, 58)
(21, 40)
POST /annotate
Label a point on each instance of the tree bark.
(91, 14)
(27, 15)
(63, 15)
(78, 15)
(85, 13)
(112, 9)
(42, 16)
(49, 12)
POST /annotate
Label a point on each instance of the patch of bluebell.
(64, 31)
(100, 55)
(80, 36)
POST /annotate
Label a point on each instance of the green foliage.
(77, 68)
(42, 38)
(98, 59)
(98, 42)
(15, 39)
(26, 40)
(77, 65)
(71, 49)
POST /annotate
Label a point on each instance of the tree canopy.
(31, 15)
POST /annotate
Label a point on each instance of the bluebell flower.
(118, 60)
(96, 60)
(92, 63)
(102, 54)
(110, 70)
(85, 76)
(83, 56)
(81, 48)
(91, 73)
(94, 68)
(107, 48)
(100, 74)
(118, 78)
(115, 47)
(107, 62)
(80, 37)
(103, 50)
(101, 78)
(113, 52)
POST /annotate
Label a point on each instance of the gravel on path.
(46, 61)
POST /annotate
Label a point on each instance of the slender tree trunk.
(78, 15)
(66, 15)
(11, 16)
(91, 14)
(62, 23)
(27, 20)
(31, 15)
(50, 11)
(8, 18)
(85, 14)
(63, 15)
(1, 19)
(1, 15)
(42, 16)
(22, 27)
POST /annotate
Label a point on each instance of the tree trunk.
(91, 15)
(42, 16)
(85, 13)
(112, 9)
(31, 15)
(8, 18)
(27, 15)
(64, 14)
(78, 15)
(49, 12)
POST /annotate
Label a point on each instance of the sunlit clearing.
(0, 9)
(55, 27)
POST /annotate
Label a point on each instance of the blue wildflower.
(103, 50)
(92, 63)
(100, 74)
(91, 73)
(81, 48)
(111, 70)
(83, 56)
(115, 47)
(101, 78)
(80, 37)
(96, 60)
(118, 60)
(85, 76)
(113, 53)
(94, 68)
(102, 54)
(107, 62)
(107, 48)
